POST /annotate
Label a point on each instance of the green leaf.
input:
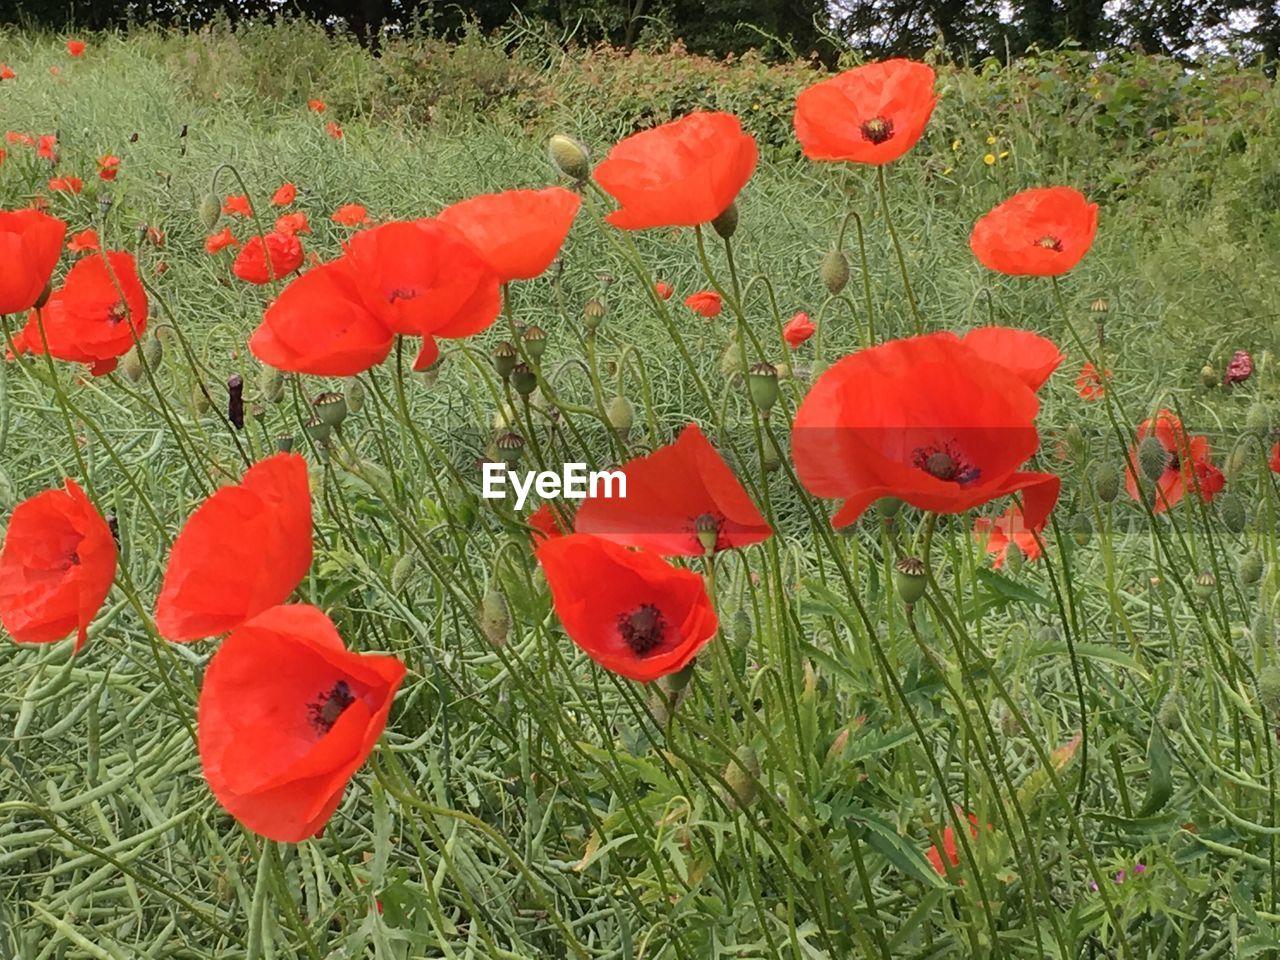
(1160, 761)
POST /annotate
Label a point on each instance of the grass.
(526, 804)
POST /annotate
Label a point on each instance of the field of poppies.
(941, 614)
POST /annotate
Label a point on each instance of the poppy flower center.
(118, 311)
(324, 713)
(402, 293)
(877, 129)
(1050, 242)
(642, 628)
(73, 560)
(945, 464)
(707, 529)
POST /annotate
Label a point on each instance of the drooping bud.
(742, 775)
(1231, 509)
(235, 400)
(1258, 418)
(199, 400)
(510, 445)
(8, 492)
(209, 211)
(1204, 585)
(770, 455)
(622, 416)
(1208, 375)
(1172, 707)
(271, 383)
(495, 617)
(1250, 567)
(909, 579)
(152, 350)
(1081, 528)
(1106, 482)
(1074, 438)
(726, 224)
(835, 271)
(1153, 458)
(403, 571)
(592, 313)
(1269, 690)
(524, 380)
(505, 358)
(569, 157)
(762, 382)
(331, 407)
(131, 365)
(535, 341)
(355, 394)
(1237, 461)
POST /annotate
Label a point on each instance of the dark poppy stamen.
(1050, 242)
(401, 293)
(73, 560)
(643, 628)
(119, 310)
(877, 129)
(945, 465)
(325, 712)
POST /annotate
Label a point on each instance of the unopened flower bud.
(1269, 690)
(209, 211)
(199, 400)
(1153, 458)
(495, 617)
(1106, 482)
(762, 382)
(331, 407)
(1231, 510)
(1081, 528)
(909, 579)
(355, 394)
(621, 416)
(835, 271)
(131, 365)
(1172, 707)
(271, 383)
(727, 223)
(742, 631)
(1258, 418)
(402, 573)
(1208, 375)
(569, 157)
(742, 775)
(1250, 567)
(535, 341)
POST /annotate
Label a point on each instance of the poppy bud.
(731, 361)
(1106, 482)
(509, 447)
(742, 776)
(210, 210)
(835, 271)
(593, 313)
(1075, 441)
(1262, 629)
(762, 382)
(1208, 375)
(621, 415)
(495, 617)
(317, 429)
(909, 579)
(1171, 709)
(1258, 418)
(271, 383)
(1048, 633)
(569, 157)
(152, 350)
(284, 444)
(741, 627)
(535, 341)
(235, 400)
(1237, 461)
(1153, 458)
(1269, 689)
(199, 400)
(403, 571)
(1231, 509)
(505, 356)
(1081, 528)
(523, 379)
(726, 225)
(355, 395)
(1250, 567)
(1204, 584)
(770, 456)
(330, 407)
(131, 365)
(1013, 562)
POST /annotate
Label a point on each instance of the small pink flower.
(1239, 369)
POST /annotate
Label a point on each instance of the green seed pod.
(284, 444)
(1106, 482)
(524, 380)
(403, 571)
(888, 507)
(1172, 707)
(1231, 510)
(1262, 629)
(510, 446)
(834, 271)
(331, 408)
(355, 393)
(1204, 585)
(707, 529)
(1208, 375)
(621, 416)
(495, 617)
(271, 383)
(727, 223)
(1081, 528)
(1250, 567)
(569, 157)
(209, 211)
(1269, 690)
(1152, 458)
(742, 775)
(505, 358)
(909, 579)
(592, 313)
(317, 429)
(1013, 562)
(762, 382)
(1099, 306)
(535, 341)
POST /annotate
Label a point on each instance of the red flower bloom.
(243, 550)
(284, 195)
(3, 154)
(1187, 466)
(237, 205)
(48, 147)
(320, 325)
(333, 130)
(798, 329)
(1091, 384)
(871, 114)
(30, 244)
(83, 242)
(1040, 232)
(1005, 531)
(949, 846)
(422, 278)
(108, 167)
(66, 184)
(293, 223)
(87, 320)
(56, 568)
(286, 717)
(519, 232)
(283, 256)
(220, 241)
(1274, 461)
(679, 174)
(705, 302)
(941, 422)
(6, 73)
(631, 612)
(675, 497)
(1239, 369)
(317, 106)
(25, 139)
(351, 215)
(664, 290)
(549, 521)
(75, 48)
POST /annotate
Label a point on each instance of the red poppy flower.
(519, 232)
(56, 567)
(798, 329)
(66, 184)
(870, 114)
(549, 521)
(220, 241)
(664, 290)
(1040, 232)
(83, 242)
(237, 205)
(1187, 464)
(6, 73)
(941, 422)
(1239, 369)
(283, 256)
(949, 846)
(30, 245)
(3, 155)
(75, 48)
(351, 215)
(47, 148)
(675, 497)
(285, 194)
(705, 302)
(1274, 460)
(320, 325)
(87, 320)
(243, 550)
(1008, 529)
(1091, 384)
(422, 278)
(630, 611)
(679, 174)
(317, 106)
(294, 224)
(286, 717)
(25, 139)
(333, 130)
(108, 167)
